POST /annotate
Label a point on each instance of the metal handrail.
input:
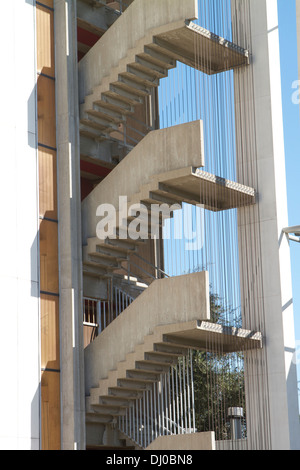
(156, 268)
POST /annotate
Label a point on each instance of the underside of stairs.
(153, 181)
(164, 167)
(164, 170)
(133, 352)
(149, 38)
(154, 357)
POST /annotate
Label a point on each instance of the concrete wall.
(272, 413)
(19, 279)
(69, 232)
(197, 441)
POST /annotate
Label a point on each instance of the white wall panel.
(19, 288)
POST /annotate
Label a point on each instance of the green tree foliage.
(218, 382)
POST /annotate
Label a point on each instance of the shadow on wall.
(35, 422)
(294, 417)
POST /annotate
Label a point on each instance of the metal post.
(193, 392)
(236, 414)
(98, 319)
(154, 406)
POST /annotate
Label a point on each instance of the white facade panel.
(19, 286)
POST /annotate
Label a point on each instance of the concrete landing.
(194, 186)
(216, 338)
(149, 39)
(201, 49)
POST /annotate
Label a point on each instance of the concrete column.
(271, 382)
(69, 206)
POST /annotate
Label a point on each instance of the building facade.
(146, 228)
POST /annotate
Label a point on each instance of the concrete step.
(116, 401)
(143, 66)
(129, 281)
(153, 366)
(109, 410)
(127, 76)
(158, 57)
(163, 357)
(109, 253)
(129, 442)
(135, 384)
(123, 392)
(133, 85)
(121, 247)
(96, 271)
(94, 418)
(134, 75)
(175, 349)
(98, 260)
(143, 374)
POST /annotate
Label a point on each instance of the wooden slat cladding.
(46, 111)
(49, 272)
(49, 257)
(50, 410)
(49, 332)
(47, 183)
(45, 51)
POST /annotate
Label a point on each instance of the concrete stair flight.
(150, 37)
(160, 173)
(160, 151)
(124, 386)
(169, 317)
(118, 377)
(110, 252)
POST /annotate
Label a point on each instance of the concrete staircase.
(116, 376)
(135, 178)
(146, 339)
(133, 376)
(130, 284)
(149, 39)
(162, 169)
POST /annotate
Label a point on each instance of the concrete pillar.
(69, 207)
(271, 382)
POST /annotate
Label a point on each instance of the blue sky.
(291, 116)
(174, 110)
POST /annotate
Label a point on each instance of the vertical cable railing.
(122, 301)
(157, 412)
(98, 314)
